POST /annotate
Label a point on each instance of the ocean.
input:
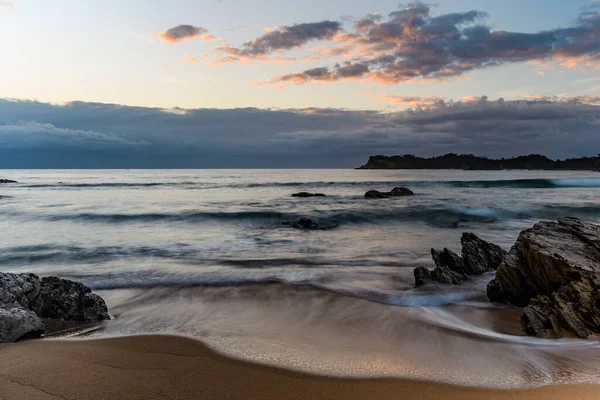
(211, 254)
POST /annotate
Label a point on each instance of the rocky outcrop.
(7, 181)
(553, 271)
(478, 257)
(306, 194)
(25, 299)
(395, 192)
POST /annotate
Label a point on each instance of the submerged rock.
(305, 223)
(553, 271)
(25, 299)
(395, 192)
(306, 194)
(7, 181)
(478, 257)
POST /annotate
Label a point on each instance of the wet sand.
(173, 367)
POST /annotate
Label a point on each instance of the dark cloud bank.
(91, 135)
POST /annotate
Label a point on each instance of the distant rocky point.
(7, 181)
(472, 162)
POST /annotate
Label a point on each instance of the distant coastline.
(473, 162)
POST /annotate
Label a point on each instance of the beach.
(175, 367)
(212, 255)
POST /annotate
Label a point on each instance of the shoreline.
(169, 366)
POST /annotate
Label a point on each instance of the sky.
(266, 83)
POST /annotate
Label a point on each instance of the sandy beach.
(173, 367)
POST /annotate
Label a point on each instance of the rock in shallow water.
(305, 223)
(25, 299)
(395, 192)
(306, 194)
(7, 181)
(553, 270)
(478, 257)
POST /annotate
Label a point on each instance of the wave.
(525, 183)
(481, 184)
(108, 185)
(445, 217)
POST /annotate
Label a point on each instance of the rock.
(18, 323)
(306, 194)
(478, 257)
(25, 299)
(375, 194)
(21, 289)
(395, 192)
(422, 275)
(7, 181)
(305, 223)
(71, 301)
(447, 276)
(553, 271)
(401, 191)
(448, 258)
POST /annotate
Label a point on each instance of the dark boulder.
(553, 271)
(306, 194)
(395, 192)
(7, 181)
(375, 194)
(305, 223)
(25, 299)
(70, 301)
(401, 191)
(17, 323)
(478, 257)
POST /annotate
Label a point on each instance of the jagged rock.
(305, 223)
(553, 271)
(448, 258)
(447, 276)
(478, 257)
(18, 323)
(7, 181)
(422, 275)
(71, 301)
(25, 299)
(395, 192)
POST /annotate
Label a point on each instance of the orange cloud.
(411, 101)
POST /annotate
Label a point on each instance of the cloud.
(283, 38)
(80, 135)
(411, 101)
(564, 98)
(183, 32)
(413, 44)
(7, 6)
